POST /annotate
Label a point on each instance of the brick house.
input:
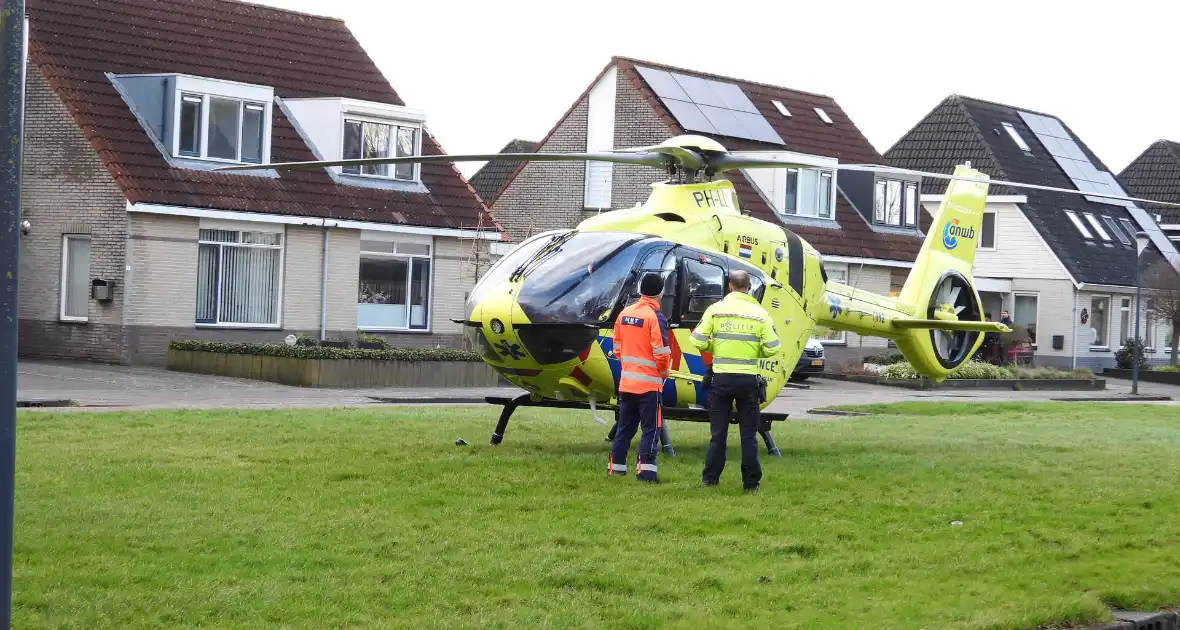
(867, 227)
(134, 241)
(1062, 265)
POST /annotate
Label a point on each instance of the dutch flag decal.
(744, 250)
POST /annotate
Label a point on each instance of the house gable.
(489, 180)
(98, 57)
(991, 135)
(641, 118)
(1155, 174)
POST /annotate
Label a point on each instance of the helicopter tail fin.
(952, 239)
(937, 320)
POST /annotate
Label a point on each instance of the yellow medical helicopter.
(543, 315)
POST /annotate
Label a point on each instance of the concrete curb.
(975, 384)
(44, 402)
(1127, 398)
(1134, 620)
(428, 400)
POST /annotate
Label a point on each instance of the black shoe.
(706, 483)
(751, 489)
(651, 481)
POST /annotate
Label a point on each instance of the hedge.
(979, 370)
(317, 352)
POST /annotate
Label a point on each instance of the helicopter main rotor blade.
(723, 163)
(875, 168)
(645, 159)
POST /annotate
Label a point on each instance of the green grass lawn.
(375, 519)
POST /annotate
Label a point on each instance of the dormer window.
(219, 128)
(366, 139)
(201, 119)
(895, 203)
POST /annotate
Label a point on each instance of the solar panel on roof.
(663, 84)
(1047, 128)
(689, 116)
(707, 106)
(724, 121)
(699, 90)
(733, 97)
(758, 127)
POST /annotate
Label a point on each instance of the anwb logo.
(952, 231)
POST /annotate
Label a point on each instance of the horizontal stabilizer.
(939, 324)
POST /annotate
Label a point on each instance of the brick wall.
(66, 190)
(547, 195)
(636, 125)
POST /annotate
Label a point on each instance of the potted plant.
(336, 342)
(370, 342)
(304, 340)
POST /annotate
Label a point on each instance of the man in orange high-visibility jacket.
(641, 345)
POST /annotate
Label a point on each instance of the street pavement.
(97, 387)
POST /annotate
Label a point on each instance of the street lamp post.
(1137, 355)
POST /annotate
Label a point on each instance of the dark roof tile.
(1155, 174)
(491, 178)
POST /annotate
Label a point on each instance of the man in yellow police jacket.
(739, 332)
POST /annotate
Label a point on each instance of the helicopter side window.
(663, 262)
(757, 285)
(704, 284)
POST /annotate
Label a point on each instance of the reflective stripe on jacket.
(641, 344)
(739, 332)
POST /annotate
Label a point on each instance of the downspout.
(327, 225)
(1073, 345)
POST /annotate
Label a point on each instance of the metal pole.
(12, 101)
(1138, 343)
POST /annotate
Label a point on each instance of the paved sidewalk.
(93, 386)
(98, 387)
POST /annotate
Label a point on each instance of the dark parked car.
(811, 362)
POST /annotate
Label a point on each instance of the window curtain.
(244, 281)
(77, 277)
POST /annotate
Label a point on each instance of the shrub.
(884, 358)
(1050, 373)
(1125, 356)
(319, 352)
(979, 370)
(1166, 368)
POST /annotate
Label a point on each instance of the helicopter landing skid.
(690, 414)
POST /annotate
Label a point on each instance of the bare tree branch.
(1161, 285)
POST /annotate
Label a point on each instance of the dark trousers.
(637, 411)
(726, 390)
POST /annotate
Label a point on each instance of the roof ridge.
(259, 3)
(999, 104)
(665, 66)
(982, 137)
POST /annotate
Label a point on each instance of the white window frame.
(1097, 225)
(882, 183)
(995, 226)
(1037, 296)
(1089, 324)
(1126, 316)
(212, 88)
(1015, 135)
(1073, 217)
(392, 122)
(237, 226)
(64, 287)
(833, 270)
(414, 239)
(772, 184)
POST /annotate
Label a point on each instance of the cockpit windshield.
(509, 264)
(581, 278)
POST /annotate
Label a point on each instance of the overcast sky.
(489, 71)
